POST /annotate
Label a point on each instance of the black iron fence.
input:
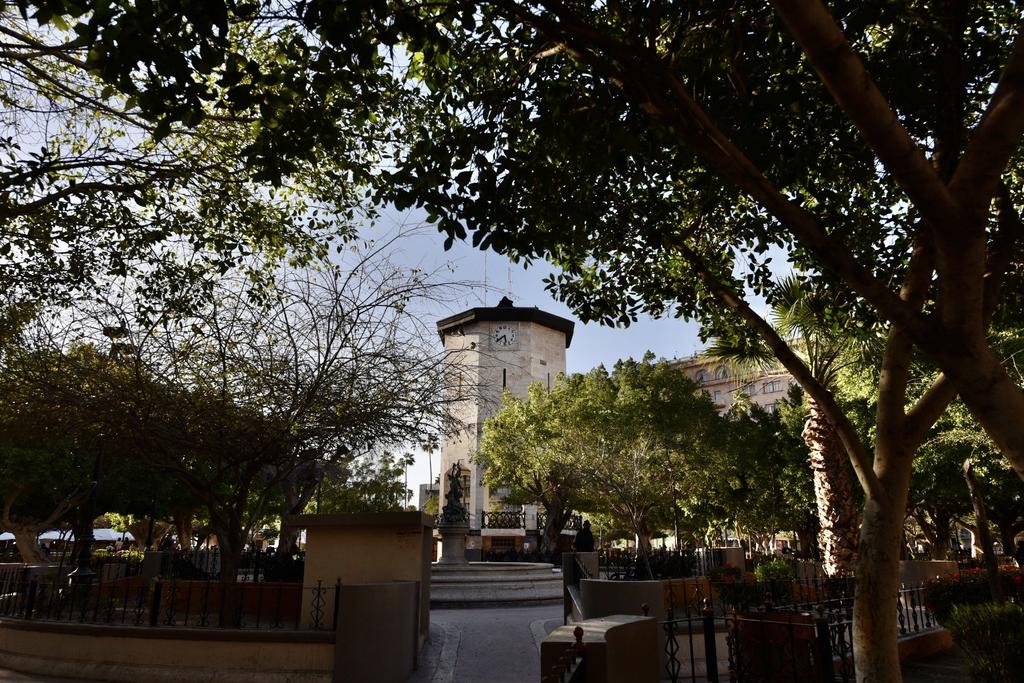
(503, 519)
(574, 523)
(175, 603)
(571, 666)
(807, 637)
(622, 565)
(519, 555)
(207, 564)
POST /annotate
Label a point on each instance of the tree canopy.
(614, 442)
(91, 188)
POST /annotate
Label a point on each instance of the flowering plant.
(968, 587)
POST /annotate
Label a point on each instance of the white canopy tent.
(100, 536)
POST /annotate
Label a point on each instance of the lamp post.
(84, 573)
(152, 519)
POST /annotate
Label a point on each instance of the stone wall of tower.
(487, 369)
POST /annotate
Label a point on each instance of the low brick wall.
(165, 655)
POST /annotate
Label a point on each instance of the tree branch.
(995, 139)
(842, 72)
(644, 75)
(858, 454)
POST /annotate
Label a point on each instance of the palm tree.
(798, 314)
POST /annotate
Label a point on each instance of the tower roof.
(505, 311)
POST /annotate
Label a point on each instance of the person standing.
(584, 542)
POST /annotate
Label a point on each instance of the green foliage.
(618, 442)
(758, 478)
(774, 570)
(968, 587)
(992, 638)
(100, 181)
(369, 484)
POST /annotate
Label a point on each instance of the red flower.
(1018, 579)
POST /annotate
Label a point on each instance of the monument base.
(453, 544)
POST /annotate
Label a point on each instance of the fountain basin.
(493, 583)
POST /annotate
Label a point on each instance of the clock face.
(505, 334)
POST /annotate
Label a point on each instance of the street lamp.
(84, 573)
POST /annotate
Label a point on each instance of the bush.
(992, 638)
(774, 570)
(725, 574)
(969, 587)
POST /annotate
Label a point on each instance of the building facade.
(723, 383)
(493, 350)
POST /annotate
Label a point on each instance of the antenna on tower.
(484, 301)
(508, 292)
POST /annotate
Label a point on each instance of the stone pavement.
(502, 645)
(486, 645)
(7, 676)
(945, 667)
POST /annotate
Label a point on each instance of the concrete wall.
(618, 649)
(377, 633)
(913, 572)
(602, 598)
(165, 655)
(368, 548)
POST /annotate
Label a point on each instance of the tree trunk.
(183, 525)
(28, 546)
(1008, 536)
(875, 651)
(296, 497)
(940, 542)
(985, 536)
(805, 537)
(993, 398)
(556, 519)
(833, 493)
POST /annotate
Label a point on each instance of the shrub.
(774, 570)
(992, 638)
(725, 574)
(969, 587)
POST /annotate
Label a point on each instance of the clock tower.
(492, 350)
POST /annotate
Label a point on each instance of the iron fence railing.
(175, 603)
(503, 519)
(571, 666)
(808, 637)
(574, 523)
(206, 564)
(622, 565)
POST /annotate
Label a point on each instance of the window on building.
(771, 387)
(721, 372)
(504, 378)
(718, 397)
(702, 376)
(772, 407)
(549, 381)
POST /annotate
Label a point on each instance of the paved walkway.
(945, 667)
(486, 645)
(15, 677)
(502, 645)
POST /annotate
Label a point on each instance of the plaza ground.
(502, 645)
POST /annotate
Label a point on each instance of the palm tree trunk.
(833, 492)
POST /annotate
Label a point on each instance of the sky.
(493, 276)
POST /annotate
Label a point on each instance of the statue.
(454, 512)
